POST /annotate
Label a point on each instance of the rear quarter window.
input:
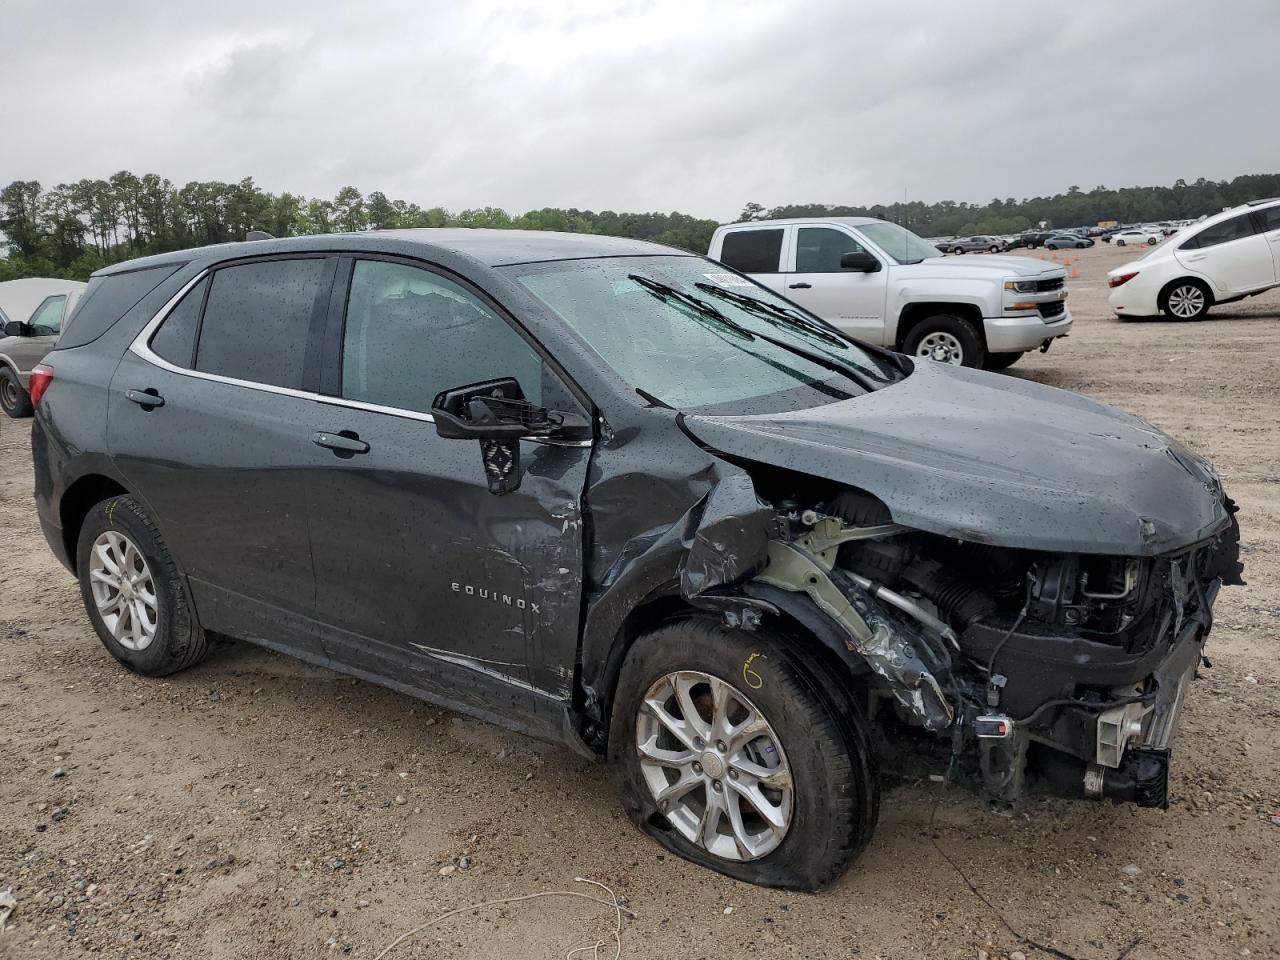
(753, 251)
(109, 298)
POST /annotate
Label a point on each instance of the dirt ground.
(256, 807)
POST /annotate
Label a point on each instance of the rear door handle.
(1197, 256)
(340, 443)
(800, 286)
(144, 398)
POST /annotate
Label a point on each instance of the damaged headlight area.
(1064, 673)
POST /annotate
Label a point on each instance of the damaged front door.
(421, 570)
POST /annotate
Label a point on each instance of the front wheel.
(14, 399)
(947, 339)
(1119, 243)
(730, 755)
(1152, 241)
(133, 591)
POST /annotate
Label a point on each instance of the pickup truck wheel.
(133, 591)
(1185, 300)
(1001, 361)
(947, 339)
(730, 755)
(14, 399)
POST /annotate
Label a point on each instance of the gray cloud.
(677, 104)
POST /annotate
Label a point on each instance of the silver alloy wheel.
(123, 590)
(941, 346)
(1186, 301)
(714, 765)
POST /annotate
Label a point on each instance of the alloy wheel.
(714, 765)
(941, 346)
(1186, 301)
(124, 590)
(8, 394)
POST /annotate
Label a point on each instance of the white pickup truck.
(880, 283)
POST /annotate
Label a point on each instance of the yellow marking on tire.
(749, 676)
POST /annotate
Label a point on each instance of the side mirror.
(16, 328)
(496, 413)
(861, 261)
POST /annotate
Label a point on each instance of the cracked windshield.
(688, 334)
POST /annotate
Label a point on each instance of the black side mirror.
(16, 328)
(496, 413)
(861, 261)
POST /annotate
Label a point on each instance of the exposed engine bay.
(1064, 672)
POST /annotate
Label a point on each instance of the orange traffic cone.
(1074, 272)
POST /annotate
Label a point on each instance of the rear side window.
(752, 251)
(411, 334)
(257, 319)
(175, 341)
(1227, 230)
(1269, 217)
(109, 298)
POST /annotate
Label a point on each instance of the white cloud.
(675, 104)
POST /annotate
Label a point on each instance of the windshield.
(899, 242)
(689, 335)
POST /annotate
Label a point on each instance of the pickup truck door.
(760, 253)
(848, 299)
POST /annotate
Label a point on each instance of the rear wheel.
(947, 339)
(1000, 361)
(1151, 241)
(958, 250)
(730, 755)
(133, 591)
(994, 249)
(1119, 243)
(14, 399)
(1185, 300)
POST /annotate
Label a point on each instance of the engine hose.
(956, 598)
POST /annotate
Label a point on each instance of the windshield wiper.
(817, 357)
(772, 310)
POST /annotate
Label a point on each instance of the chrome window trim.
(141, 347)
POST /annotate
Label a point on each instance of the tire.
(1050, 246)
(1152, 241)
(1119, 243)
(1001, 361)
(1185, 300)
(835, 798)
(14, 399)
(957, 250)
(993, 250)
(946, 331)
(175, 640)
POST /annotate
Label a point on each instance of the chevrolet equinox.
(624, 498)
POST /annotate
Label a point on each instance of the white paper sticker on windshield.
(728, 280)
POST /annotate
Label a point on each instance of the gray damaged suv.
(619, 497)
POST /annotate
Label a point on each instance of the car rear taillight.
(38, 382)
(1121, 279)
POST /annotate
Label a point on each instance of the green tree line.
(72, 229)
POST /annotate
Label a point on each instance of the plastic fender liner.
(890, 650)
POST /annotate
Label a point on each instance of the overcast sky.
(605, 104)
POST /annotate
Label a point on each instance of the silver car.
(26, 341)
(975, 245)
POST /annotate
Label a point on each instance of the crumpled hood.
(994, 459)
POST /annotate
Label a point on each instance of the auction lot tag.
(728, 280)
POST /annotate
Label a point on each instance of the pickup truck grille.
(1052, 309)
(1044, 286)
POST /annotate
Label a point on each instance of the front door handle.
(345, 443)
(800, 286)
(145, 398)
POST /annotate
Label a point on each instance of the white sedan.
(1227, 257)
(1127, 237)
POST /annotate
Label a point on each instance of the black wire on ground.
(1017, 934)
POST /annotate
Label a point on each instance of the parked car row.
(651, 506)
(33, 312)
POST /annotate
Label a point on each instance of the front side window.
(1224, 232)
(257, 319)
(819, 249)
(753, 251)
(411, 334)
(175, 341)
(47, 320)
(691, 336)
